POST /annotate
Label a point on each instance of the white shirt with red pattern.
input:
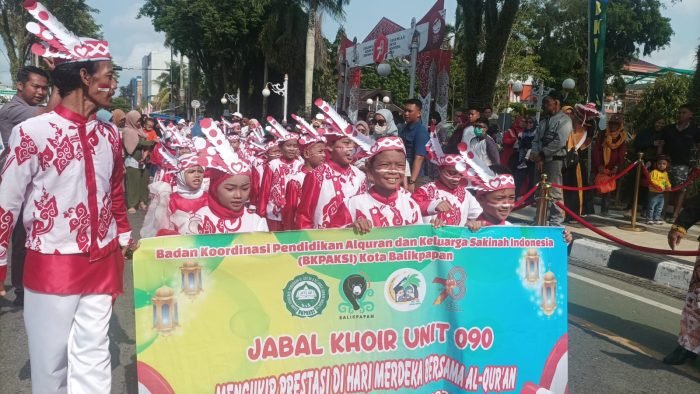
(204, 221)
(68, 172)
(399, 209)
(464, 204)
(274, 183)
(325, 193)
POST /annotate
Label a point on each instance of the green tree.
(560, 30)
(123, 103)
(660, 100)
(314, 9)
(76, 15)
(482, 33)
(694, 94)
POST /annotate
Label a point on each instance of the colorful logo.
(454, 288)
(405, 289)
(355, 290)
(305, 296)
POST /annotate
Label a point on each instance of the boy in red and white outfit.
(386, 203)
(448, 197)
(274, 180)
(66, 167)
(328, 187)
(313, 147)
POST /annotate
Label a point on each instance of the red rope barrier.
(691, 178)
(625, 243)
(593, 187)
(521, 203)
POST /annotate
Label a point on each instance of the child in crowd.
(447, 198)
(226, 208)
(658, 184)
(328, 187)
(273, 186)
(386, 203)
(313, 150)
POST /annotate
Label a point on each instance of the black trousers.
(19, 253)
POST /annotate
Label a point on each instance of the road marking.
(626, 293)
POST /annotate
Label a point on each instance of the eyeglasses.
(378, 122)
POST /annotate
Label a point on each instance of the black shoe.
(19, 299)
(679, 356)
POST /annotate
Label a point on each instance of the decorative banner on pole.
(399, 309)
(597, 26)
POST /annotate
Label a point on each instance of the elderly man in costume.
(66, 167)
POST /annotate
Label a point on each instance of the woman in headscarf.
(383, 124)
(579, 141)
(119, 118)
(135, 156)
(525, 170)
(608, 155)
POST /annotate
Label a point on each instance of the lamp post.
(517, 89)
(568, 85)
(415, 41)
(280, 89)
(229, 98)
(385, 100)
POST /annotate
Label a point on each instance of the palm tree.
(314, 10)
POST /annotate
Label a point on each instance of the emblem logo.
(356, 291)
(305, 296)
(405, 289)
(453, 287)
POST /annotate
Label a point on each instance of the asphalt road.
(618, 332)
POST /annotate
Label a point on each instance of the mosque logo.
(405, 289)
(305, 296)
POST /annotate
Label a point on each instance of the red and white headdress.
(280, 132)
(436, 154)
(57, 42)
(481, 178)
(587, 111)
(337, 126)
(218, 152)
(387, 144)
(255, 131)
(189, 160)
(309, 134)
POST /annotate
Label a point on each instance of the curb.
(660, 270)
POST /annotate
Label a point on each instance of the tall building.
(153, 64)
(136, 98)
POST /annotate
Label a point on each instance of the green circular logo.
(305, 296)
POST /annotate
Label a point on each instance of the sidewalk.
(593, 249)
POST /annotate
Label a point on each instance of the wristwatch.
(411, 181)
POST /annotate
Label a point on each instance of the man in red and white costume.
(386, 203)
(274, 181)
(312, 146)
(328, 187)
(67, 168)
(447, 197)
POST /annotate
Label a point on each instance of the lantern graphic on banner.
(532, 265)
(165, 315)
(191, 278)
(549, 294)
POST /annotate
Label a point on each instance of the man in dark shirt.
(679, 142)
(32, 89)
(415, 135)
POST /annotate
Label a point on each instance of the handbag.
(572, 157)
(605, 183)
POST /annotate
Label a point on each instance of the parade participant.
(327, 188)
(689, 336)
(386, 203)
(448, 197)
(75, 215)
(269, 151)
(187, 195)
(226, 208)
(313, 150)
(273, 185)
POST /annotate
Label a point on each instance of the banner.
(399, 309)
(597, 26)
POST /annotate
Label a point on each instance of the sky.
(130, 38)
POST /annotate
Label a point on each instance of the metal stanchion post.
(633, 221)
(543, 201)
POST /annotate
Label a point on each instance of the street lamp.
(280, 89)
(517, 88)
(568, 85)
(233, 99)
(383, 69)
